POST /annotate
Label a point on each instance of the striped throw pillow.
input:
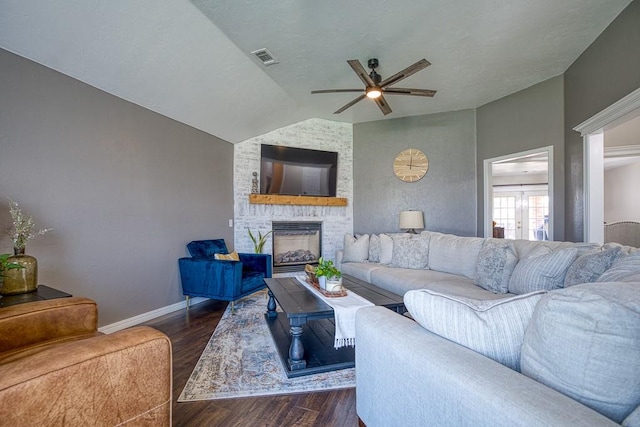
(542, 272)
(493, 328)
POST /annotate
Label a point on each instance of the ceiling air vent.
(265, 56)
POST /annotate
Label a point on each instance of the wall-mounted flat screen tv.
(297, 171)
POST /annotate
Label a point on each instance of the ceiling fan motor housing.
(373, 64)
(377, 78)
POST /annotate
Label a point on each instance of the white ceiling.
(622, 143)
(533, 164)
(191, 61)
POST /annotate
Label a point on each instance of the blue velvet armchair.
(204, 276)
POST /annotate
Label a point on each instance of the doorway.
(593, 132)
(518, 194)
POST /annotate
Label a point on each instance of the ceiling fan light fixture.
(374, 92)
(374, 86)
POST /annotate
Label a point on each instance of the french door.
(523, 214)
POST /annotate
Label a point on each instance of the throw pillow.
(410, 251)
(538, 272)
(633, 420)
(356, 249)
(632, 278)
(496, 262)
(627, 265)
(584, 342)
(494, 328)
(233, 256)
(626, 250)
(454, 254)
(588, 268)
(386, 248)
(374, 248)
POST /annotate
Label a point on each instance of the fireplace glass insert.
(295, 244)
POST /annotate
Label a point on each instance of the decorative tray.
(313, 281)
(341, 293)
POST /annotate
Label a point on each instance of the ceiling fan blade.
(337, 90)
(406, 91)
(382, 103)
(410, 70)
(360, 71)
(358, 99)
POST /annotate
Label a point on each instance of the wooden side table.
(42, 292)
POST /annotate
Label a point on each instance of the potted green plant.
(258, 241)
(22, 231)
(6, 265)
(329, 277)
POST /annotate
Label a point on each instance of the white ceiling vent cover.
(265, 56)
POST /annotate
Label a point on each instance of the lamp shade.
(410, 220)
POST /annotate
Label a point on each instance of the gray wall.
(606, 72)
(529, 119)
(123, 188)
(447, 193)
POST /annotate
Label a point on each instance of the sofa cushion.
(374, 248)
(625, 266)
(454, 254)
(541, 270)
(410, 251)
(496, 261)
(355, 249)
(360, 270)
(584, 341)
(588, 268)
(494, 328)
(386, 248)
(401, 280)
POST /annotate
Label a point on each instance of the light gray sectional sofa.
(500, 333)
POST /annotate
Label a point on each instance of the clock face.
(410, 165)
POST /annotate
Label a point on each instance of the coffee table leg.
(296, 349)
(271, 306)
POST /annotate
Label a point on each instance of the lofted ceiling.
(191, 61)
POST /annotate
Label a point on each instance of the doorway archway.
(592, 131)
(538, 160)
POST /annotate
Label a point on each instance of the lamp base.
(412, 231)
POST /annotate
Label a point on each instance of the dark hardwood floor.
(189, 331)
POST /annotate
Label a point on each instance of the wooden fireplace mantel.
(276, 199)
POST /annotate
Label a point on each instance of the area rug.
(241, 360)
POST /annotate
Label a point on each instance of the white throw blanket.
(344, 309)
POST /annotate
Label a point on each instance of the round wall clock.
(410, 165)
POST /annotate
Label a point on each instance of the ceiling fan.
(375, 87)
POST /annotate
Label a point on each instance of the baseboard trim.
(150, 315)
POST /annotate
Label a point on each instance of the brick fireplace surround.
(315, 134)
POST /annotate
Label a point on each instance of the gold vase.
(20, 280)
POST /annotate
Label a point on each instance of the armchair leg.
(188, 302)
(233, 308)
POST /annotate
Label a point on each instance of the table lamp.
(410, 220)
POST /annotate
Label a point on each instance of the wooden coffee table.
(304, 330)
